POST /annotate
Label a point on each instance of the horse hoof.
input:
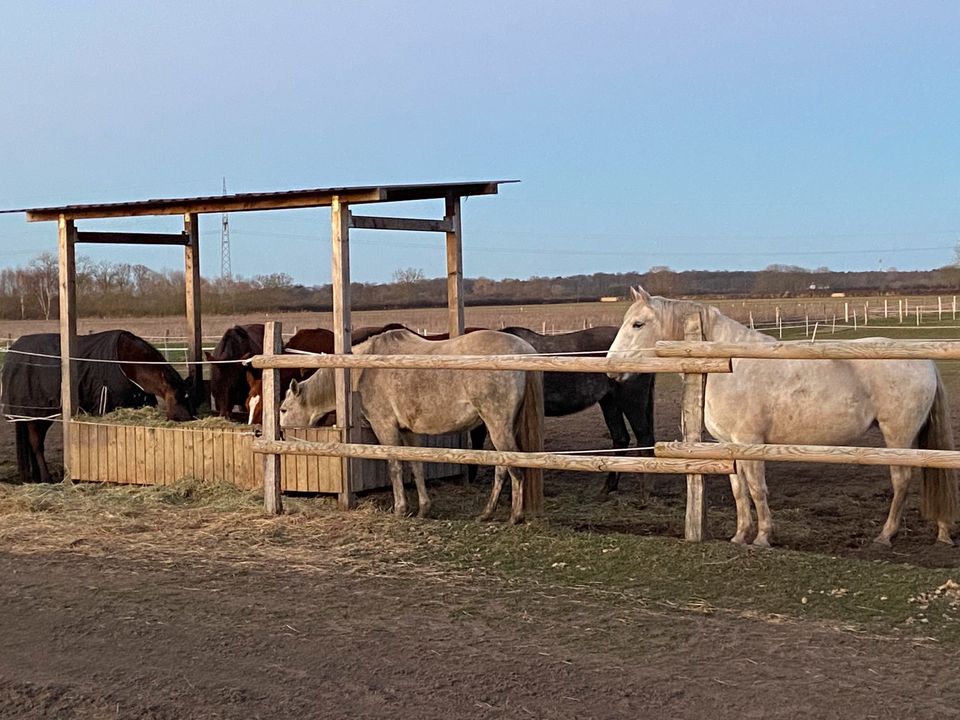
(882, 540)
(948, 541)
(484, 517)
(738, 540)
(423, 512)
(516, 519)
(761, 543)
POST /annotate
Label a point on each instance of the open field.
(187, 602)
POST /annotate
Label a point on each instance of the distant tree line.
(121, 289)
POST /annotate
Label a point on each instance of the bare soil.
(275, 618)
(198, 622)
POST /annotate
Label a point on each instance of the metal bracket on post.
(695, 529)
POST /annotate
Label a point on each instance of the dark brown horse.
(228, 382)
(114, 369)
(567, 393)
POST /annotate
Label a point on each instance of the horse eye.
(638, 324)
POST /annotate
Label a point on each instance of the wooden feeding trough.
(135, 454)
(145, 455)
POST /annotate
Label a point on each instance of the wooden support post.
(695, 529)
(191, 276)
(69, 397)
(454, 266)
(270, 400)
(340, 277)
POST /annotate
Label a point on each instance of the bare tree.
(407, 276)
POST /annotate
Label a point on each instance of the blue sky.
(696, 135)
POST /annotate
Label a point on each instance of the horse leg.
(423, 510)
(478, 436)
(499, 474)
(900, 480)
(753, 472)
(392, 436)
(503, 439)
(741, 496)
(37, 432)
(613, 417)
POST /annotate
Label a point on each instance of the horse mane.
(715, 325)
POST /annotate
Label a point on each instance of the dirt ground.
(135, 628)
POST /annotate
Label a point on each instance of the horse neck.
(716, 326)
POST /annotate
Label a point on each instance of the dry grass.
(217, 523)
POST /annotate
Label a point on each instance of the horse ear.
(208, 355)
(251, 378)
(639, 294)
(294, 388)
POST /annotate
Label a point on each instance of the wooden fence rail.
(834, 454)
(544, 460)
(497, 362)
(805, 350)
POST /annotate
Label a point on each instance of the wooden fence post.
(695, 529)
(270, 397)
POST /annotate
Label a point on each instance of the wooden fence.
(693, 357)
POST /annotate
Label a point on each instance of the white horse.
(814, 402)
(400, 404)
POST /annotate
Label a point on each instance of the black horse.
(114, 369)
(567, 393)
(228, 380)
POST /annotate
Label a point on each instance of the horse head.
(309, 401)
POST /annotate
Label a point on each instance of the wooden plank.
(128, 238)
(149, 455)
(140, 453)
(227, 438)
(244, 202)
(81, 456)
(218, 204)
(104, 461)
(544, 460)
(191, 274)
(500, 362)
(189, 469)
(121, 473)
(171, 449)
(178, 451)
(113, 463)
(209, 450)
(67, 288)
(695, 526)
(819, 350)
(455, 323)
(270, 401)
(832, 454)
(363, 222)
(244, 462)
(340, 277)
(216, 445)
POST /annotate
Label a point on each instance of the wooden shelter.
(339, 199)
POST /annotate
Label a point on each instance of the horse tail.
(938, 489)
(25, 461)
(529, 429)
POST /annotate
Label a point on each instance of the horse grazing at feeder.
(121, 370)
(400, 404)
(816, 402)
(320, 341)
(228, 382)
(566, 393)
